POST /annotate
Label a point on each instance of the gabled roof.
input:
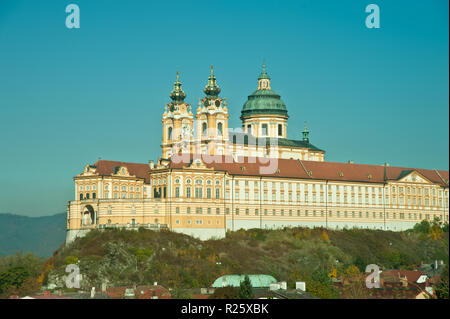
(397, 173)
(139, 170)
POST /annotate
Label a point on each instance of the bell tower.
(177, 123)
(212, 120)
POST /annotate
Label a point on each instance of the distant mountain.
(39, 235)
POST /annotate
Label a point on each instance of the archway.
(88, 215)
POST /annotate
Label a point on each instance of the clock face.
(217, 103)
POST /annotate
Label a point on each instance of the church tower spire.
(305, 134)
(212, 119)
(211, 90)
(178, 123)
(177, 94)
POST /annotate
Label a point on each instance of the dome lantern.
(177, 94)
(212, 90)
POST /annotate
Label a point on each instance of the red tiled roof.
(286, 168)
(147, 292)
(116, 292)
(137, 169)
(411, 275)
(290, 168)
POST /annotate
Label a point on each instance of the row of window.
(87, 187)
(412, 190)
(414, 202)
(116, 188)
(88, 196)
(115, 195)
(348, 188)
(198, 192)
(306, 213)
(200, 222)
(264, 129)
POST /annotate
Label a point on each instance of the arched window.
(204, 128)
(219, 128)
(170, 133)
(280, 130)
(264, 129)
(245, 139)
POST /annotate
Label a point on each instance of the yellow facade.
(206, 200)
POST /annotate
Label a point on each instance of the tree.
(320, 285)
(422, 227)
(13, 277)
(442, 288)
(360, 263)
(245, 290)
(354, 285)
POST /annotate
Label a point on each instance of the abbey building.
(211, 178)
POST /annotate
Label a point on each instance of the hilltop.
(122, 257)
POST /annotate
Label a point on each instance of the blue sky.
(69, 96)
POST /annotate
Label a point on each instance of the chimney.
(151, 163)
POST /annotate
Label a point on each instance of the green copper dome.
(264, 100)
